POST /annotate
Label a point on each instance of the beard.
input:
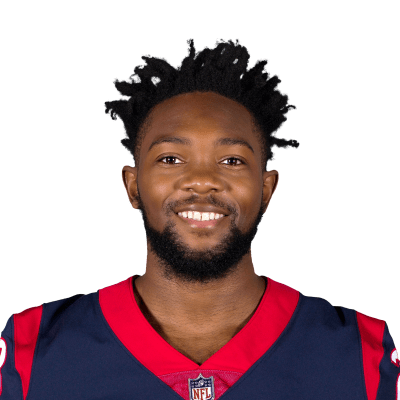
(200, 266)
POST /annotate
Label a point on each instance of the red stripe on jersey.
(26, 331)
(371, 332)
(130, 326)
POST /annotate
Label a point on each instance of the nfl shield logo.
(201, 388)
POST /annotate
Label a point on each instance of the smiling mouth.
(202, 224)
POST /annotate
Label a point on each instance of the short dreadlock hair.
(221, 70)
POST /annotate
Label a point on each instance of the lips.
(200, 223)
(202, 208)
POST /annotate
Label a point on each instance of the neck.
(220, 303)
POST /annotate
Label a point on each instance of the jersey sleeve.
(389, 386)
(10, 381)
(380, 360)
(17, 350)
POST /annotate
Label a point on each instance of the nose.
(202, 179)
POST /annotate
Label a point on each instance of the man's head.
(200, 154)
(203, 152)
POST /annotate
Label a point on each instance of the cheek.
(154, 190)
(248, 195)
(158, 186)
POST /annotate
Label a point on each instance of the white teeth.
(199, 216)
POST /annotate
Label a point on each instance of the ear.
(270, 182)
(129, 176)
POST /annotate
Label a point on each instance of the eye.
(235, 158)
(160, 160)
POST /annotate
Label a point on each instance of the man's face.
(200, 159)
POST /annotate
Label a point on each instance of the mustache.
(196, 200)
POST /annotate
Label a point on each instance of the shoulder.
(22, 329)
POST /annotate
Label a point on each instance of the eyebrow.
(220, 142)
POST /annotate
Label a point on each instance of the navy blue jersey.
(100, 346)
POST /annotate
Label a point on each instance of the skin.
(180, 311)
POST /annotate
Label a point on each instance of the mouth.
(202, 224)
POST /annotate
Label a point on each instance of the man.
(199, 324)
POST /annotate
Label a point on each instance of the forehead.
(205, 114)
